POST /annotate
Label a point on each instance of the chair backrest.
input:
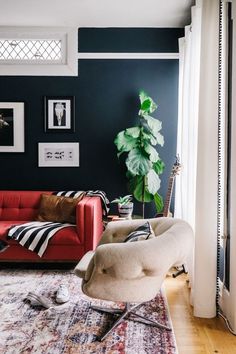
(19, 205)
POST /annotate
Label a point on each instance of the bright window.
(28, 49)
(38, 51)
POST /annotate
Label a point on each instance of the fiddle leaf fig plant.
(142, 161)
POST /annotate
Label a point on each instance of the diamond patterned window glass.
(27, 49)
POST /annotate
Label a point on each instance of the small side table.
(118, 218)
(110, 218)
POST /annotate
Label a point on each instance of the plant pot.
(126, 210)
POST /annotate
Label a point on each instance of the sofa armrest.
(89, 221)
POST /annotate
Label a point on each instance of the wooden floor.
(195, 335)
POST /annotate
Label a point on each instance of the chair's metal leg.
(107, 310)
(150, 322)
(116, 323)
(123, 313)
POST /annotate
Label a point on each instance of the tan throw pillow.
(57, 209)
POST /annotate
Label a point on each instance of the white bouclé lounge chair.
(133, 272)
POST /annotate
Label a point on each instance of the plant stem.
(143, 206)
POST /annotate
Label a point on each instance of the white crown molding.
(128, 55)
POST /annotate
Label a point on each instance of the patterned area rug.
(72, 328)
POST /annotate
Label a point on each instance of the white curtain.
(197, 145)
(189, 68)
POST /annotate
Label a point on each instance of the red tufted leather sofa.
(69, 244)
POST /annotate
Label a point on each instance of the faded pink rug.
(73, 327)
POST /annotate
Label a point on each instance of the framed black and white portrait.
(12, 128)
(59, 113)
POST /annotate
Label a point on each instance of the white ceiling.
(95, 13)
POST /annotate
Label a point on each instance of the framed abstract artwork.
(58, 154)
(59, 113)
(12, 130)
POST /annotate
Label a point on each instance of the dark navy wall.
(126, 40)
(106, 99)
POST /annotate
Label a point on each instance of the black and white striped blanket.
(35, 235)
(75, 194)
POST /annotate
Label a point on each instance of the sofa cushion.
(57, 208)
(143, 232)
(65, 236)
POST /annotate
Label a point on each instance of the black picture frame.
(59, 114)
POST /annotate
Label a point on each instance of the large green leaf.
(158, 202)
(147, 106)
(153, 182)
(148, 137)
(133, 181)
(125, 143)
(154, 125)
(151, 151)
(159, 167)
(148, 197)
(160, 139)
(153, 140)
(136, 186)
(137, 163)
(145, 138)
(134, 132)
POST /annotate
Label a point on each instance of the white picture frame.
(12, 129)
(58, 154)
